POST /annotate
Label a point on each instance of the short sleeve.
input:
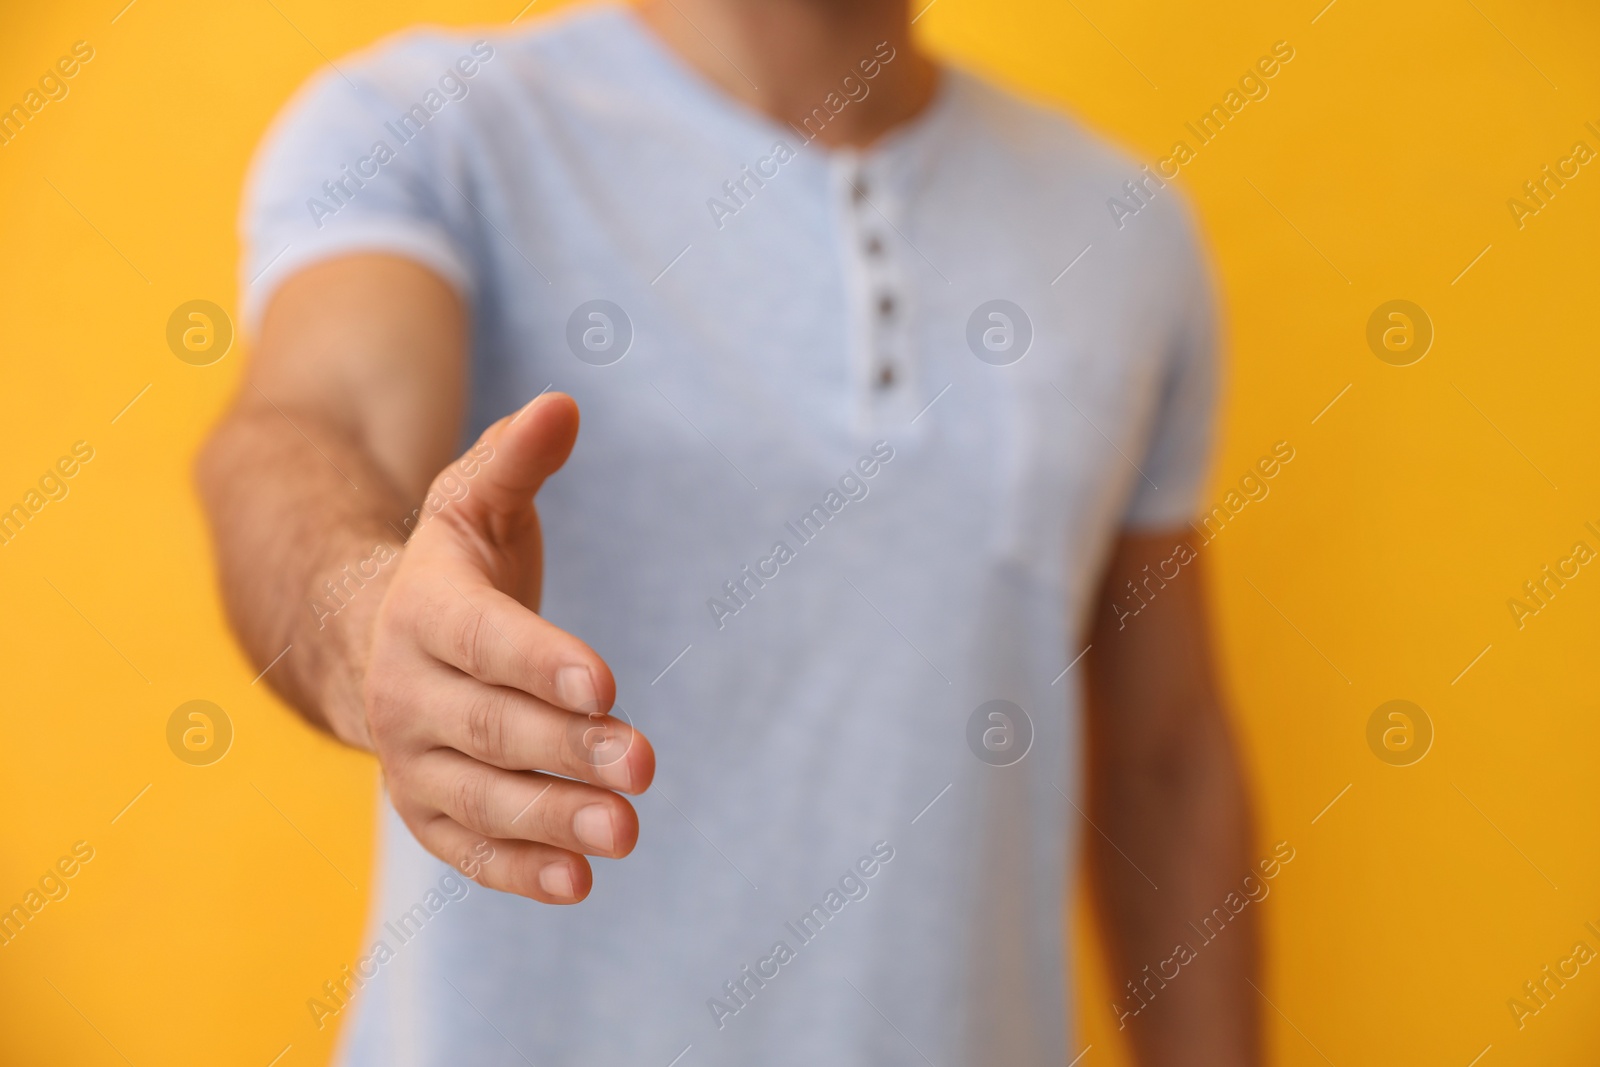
(1177, 460)
(334, 175)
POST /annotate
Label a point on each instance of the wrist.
(341, 613)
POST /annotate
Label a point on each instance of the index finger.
(491, 636)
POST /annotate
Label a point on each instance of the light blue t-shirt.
(859, 429)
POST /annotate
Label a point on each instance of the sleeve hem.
(422, 245)
(1151, 518)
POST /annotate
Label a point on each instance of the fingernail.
(593, 827)
(575, 689)
(556, 880)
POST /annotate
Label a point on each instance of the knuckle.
(472, 796)
(488, 726)
(470, 642)
(467, 860)
(441, 836)
(548, 818)
(534, 823)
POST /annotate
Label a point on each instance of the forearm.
(1180, 954)
(306, 538)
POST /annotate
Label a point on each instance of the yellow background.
(1378, 568)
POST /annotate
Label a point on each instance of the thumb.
(516, 455)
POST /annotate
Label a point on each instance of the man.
(875, 473)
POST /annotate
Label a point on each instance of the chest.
(733, 363)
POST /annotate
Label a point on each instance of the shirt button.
(885, 376)
(874, 246)
(886, 305)
(858, 190)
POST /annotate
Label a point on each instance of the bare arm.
(1166, 785)
(351, 405)
(405, 586)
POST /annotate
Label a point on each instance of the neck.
(791, 59)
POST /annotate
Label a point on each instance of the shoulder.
(403, 68)
(1051, 164)
(1032, 132)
